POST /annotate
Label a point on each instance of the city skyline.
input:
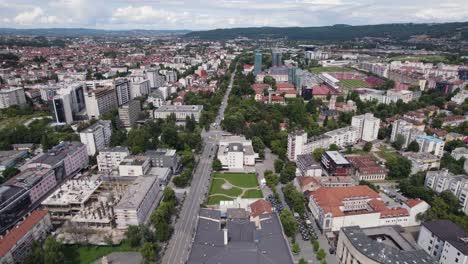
(209, 14)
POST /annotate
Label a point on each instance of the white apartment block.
(344, 136)
(235, 152)
(430, 144)
(460, 97)
(140, 199)
(444, 241)
(97, 136)
(181, 112)
(422, 161)
(155, 80)
(139, 88)
(134, 166)
(109, 159)
(12, 96)
(407, 130)
(100, 101)
(367, 126)
(122, 88)
(171, 76)
(443, 180)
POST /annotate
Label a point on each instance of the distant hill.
(336, 32)
(75, 32)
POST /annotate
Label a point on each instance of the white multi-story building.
(181, 112)
(430, 144)
(444, 241)
(100, 101)
(422, 161)
(140, 199)
(12, 96)
(460, 97)
(443, 180)
(235, 152)
(109, 159)
(156, 98)
(134, 166)
(139, 88)
(337, 207)
(129, 113)
(154, 78)
(459, 153)
(407, 130)
(344, 136)
(367, 126)
(171, 76)
(97, 136)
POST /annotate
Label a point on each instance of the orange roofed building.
(339, 207)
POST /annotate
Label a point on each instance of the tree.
(149, 251)
(288, 173)
(46, 142)
(271, 180)
(302, 261)
(169, 195)
(321, 254)
(217, 166)
(53, 251)
(190, 123)
(399, 167)
(413, 146)
(36, 255)
(258, 146)
(9, 172)
(399, 142)
(367, 147)
(295, 197)
(295, 248)
(134, 236)
(334, 147)
(317, 154)
(316, 245)
(289, 223)
(279, 164)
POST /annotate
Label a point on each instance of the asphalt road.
(178, 249)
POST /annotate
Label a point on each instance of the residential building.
(14, 204)
(407, 130)
(164, 158)
(62, 109)
(422, 161)
(134, 166)
(334, 208)
(459, 153)
(156, 98)
(122, 88)
(139, 88)
(460, 97)
(255, 237)
(38, 182)
(136, 205)
(343, 137)
(258, 62)
(367, 169)
(109, 159)
(9, 158)
(307, 166)
(443, 180)
(336, 164)
(367, 126)
(306, 183)
(444, 241)
(17, 243)
(97, 136)
(171, 76)
(100, 101)
(431, 144)
(129, 113)
(12, 96)
(65, 159)
(181, 112)
(155, 80)
(379, 245)
(236, 152)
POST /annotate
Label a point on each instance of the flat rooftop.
(179, 108)
(134, 161)
(246, 243)
(136, 193)
(337, 157)
(72, 192)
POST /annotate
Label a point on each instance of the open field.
(386, 154)
(425, 58)
(18, 120)
(88, 254)
(329, 69)
(228, 186)
(353, 83)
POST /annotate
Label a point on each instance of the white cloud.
(145, 15)
(34, 16)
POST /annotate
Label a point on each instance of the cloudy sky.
(210, 14)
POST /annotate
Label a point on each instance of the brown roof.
(303, 180)
(16, 233)
(331, 198)
(260, 207)
(366, 165)
(413, 202)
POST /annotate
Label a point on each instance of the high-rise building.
(122, 88)
(129, 113)
(171, 76)
(12, 96)
(276, 58)
(100, 101)
(62, 109)
(258, 62)
(109, 159)
(367, 125)
(97, 136)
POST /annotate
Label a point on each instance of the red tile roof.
(260, 207)
(16, 233)
(283, 85)
(413, 202)
(303, 180)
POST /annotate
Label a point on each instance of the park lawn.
(353, 83)
(329, 69)
(386, 154)
(253, 194)
(243, 180)
(88, 254)
(18, 120)
(426, 58)
(215, 199)
(216, 188)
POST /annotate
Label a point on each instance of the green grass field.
(89, 254)
(386, 154)
(18, 120)
(243, 185)
(353, 83)
(329, 69)
(425, 58)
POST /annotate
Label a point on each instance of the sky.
(211, 14)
